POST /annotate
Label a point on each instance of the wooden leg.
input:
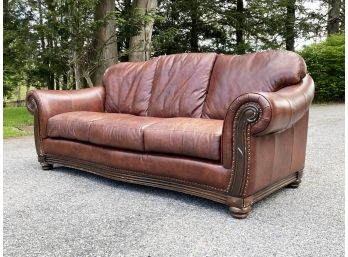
(294, 184)
(297, 182)
(46, 166)
(240, 212)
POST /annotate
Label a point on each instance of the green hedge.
(325, 63)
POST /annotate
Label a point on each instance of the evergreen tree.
(69, 43)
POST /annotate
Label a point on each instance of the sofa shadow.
(142, 189)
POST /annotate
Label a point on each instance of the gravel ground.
(66, 212)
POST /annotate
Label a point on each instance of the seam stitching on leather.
(103, 98)
(249, 152)
(152, 85)
(207, 91)
(143, 130)
(248, 161)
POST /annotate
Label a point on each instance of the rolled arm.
(46, 103)
(265, 112)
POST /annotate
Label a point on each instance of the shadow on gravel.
(177, 196)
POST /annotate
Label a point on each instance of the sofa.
(229, 128)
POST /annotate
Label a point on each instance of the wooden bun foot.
(46, 166)
(294, 184)
(240, 213)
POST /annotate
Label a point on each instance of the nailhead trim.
(248, 161)
(248, 146)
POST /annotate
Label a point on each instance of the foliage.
(216, 23)
(196, 26)
(16, 119)
(267, 29)
(325, 63)
(55, 44)
(45, 41)
(18, 47)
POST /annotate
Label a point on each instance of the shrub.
(325, 63)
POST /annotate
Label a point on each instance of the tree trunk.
(290, 25)
(18, 95)
(342, 16)
(43, 46)
(88, 80)
(77, 75)
(50, 72)
(57, 82)
(105, 40)
(5, 7)
(333, 24)
(194, 27)
(73, 80)
(65, 82)
(125, 39)
(51, 81)
(140, 45)
(240, 28)
(42, 39)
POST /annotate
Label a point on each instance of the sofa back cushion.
(198, 85)
(128, 87)
(234, 75)
(180, 85)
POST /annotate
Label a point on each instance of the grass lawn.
(17, 121)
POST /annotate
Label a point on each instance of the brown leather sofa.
(232, 129)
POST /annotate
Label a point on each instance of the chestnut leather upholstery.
(128, 87)
(53, 102)
(185, 136)
(111, 129)
(177, 119)
(180, 85)
(181, 136)
(169, 167)
(257, 72)
(276, 155)
(280, 111)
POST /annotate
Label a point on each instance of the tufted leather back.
(197, 84)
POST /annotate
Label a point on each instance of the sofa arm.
(44, 104)
(263, 113)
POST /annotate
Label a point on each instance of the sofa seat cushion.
(185, 136)
(117, 130)
(181, 136)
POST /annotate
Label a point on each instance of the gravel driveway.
(65, 212)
